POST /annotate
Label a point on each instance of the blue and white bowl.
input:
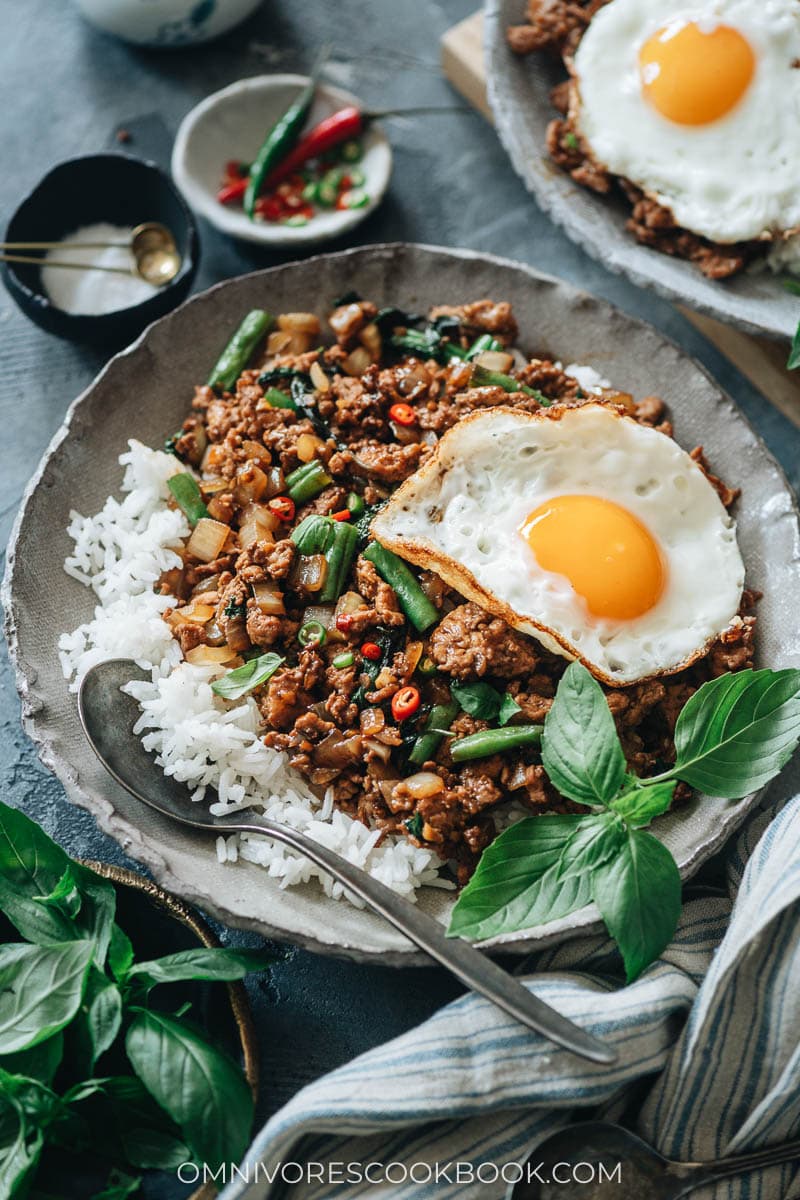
(166, 22)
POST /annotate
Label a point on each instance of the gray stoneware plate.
(144, 392)
(519, 94)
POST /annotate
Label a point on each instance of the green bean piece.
(484, 342)
(495, 741)
(340, 554)
(344, 660)
(355, 504)
(307, 482)
(237, 353)
(186, 493)
(482, 377)
(278, 399)
(440, 719)
(421, 612)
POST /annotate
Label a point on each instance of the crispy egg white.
(698, 103)
(598, 536)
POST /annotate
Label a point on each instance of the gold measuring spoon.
(155, 256)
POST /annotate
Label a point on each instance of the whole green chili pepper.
(278, 142)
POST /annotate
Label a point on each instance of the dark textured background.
(67, 89)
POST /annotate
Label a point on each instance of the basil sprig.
(252, 674)
(734, 734)
(75, 1019)
(482, 700)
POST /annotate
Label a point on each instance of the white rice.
(197, 737)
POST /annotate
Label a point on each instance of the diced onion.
(423, 784)
(413, 655)
(206, 656)
(269, 599)
(276, 483)
(404, 434)
(370, 338)
(358, 361)
(379, 749)
(343, 319)
(214, 457)
(257, 525)
(251, 483)
(209, 584)
(299, 322)
(349, 602)
(308, 447)
(319, 378)
(208, 538)
(335, 750)
(372, 721)
(198, 614)
(309, 572)
(496, 360)
(212, 487)
(321, 613)
(278, 342)
(258, 451)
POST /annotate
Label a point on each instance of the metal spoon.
(108, 717)
(600, 1161)
(155, 256)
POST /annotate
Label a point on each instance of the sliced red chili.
(342, 515)
(405, 703)
(371, 650)
(270, 208)
(344, 622)
(232, 192)
(403, 414)
(283, 507)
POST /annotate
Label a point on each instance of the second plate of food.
(346, 664)
(713, 155)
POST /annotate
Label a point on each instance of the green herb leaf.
(538, 870)
(21, 1142)
(644, 801)
(119, 1187)
(100, 1016)
(202, 1089)
(793, 286)
(203, 963)
(243, 679)
(41, 988)
(120, 953)
(581, 751)
(64, 896)
(638, 892)
(38, 1062)
(793, 361)
(133, 1127)
(478, 699)
(737, 731)
(508, 709)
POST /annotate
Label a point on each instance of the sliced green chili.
(313, 633)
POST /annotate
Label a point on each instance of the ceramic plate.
(145, 392)
(519, 94)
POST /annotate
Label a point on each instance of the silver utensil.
(155, 256)
(108, 716)
(600, 1161)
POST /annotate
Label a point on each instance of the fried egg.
(699, 106)
(598, 536)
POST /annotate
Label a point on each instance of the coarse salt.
(91, 293)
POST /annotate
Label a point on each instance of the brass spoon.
(600, 1161)
(152, 247)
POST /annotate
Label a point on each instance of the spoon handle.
(459, 957)
(738, 1164)
(75, 266)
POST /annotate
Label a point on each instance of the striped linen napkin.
(709, 1058)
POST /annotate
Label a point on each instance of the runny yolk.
(693, 75)
(609, 557)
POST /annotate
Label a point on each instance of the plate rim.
(500, 100)
(587, 920)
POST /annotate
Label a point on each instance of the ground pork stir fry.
(291, 465)
(556, 27)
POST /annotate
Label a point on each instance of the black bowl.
(83, 191)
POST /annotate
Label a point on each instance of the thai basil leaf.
(241, 680)
(38, 1062)
(508, 709)
(644, 801)
(21, 1144)
(202, 963)
(638, 892)
(120, 953)
(202, 1089)
(478, 699)
(64, 896)
(793, 361)
(100, 1016)
(132, 1126)
(581, 752)
(737, 731)
(41, 988)
(536, 871)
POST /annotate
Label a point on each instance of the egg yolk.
(694, 76)
(609, 557)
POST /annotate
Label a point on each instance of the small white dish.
(233, 123)
(169, 23)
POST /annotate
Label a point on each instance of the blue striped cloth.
(708, 1040)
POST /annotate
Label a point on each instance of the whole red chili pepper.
(339, 127)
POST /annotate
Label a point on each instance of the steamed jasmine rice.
(198, 738)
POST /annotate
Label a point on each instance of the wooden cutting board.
(761, 360)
